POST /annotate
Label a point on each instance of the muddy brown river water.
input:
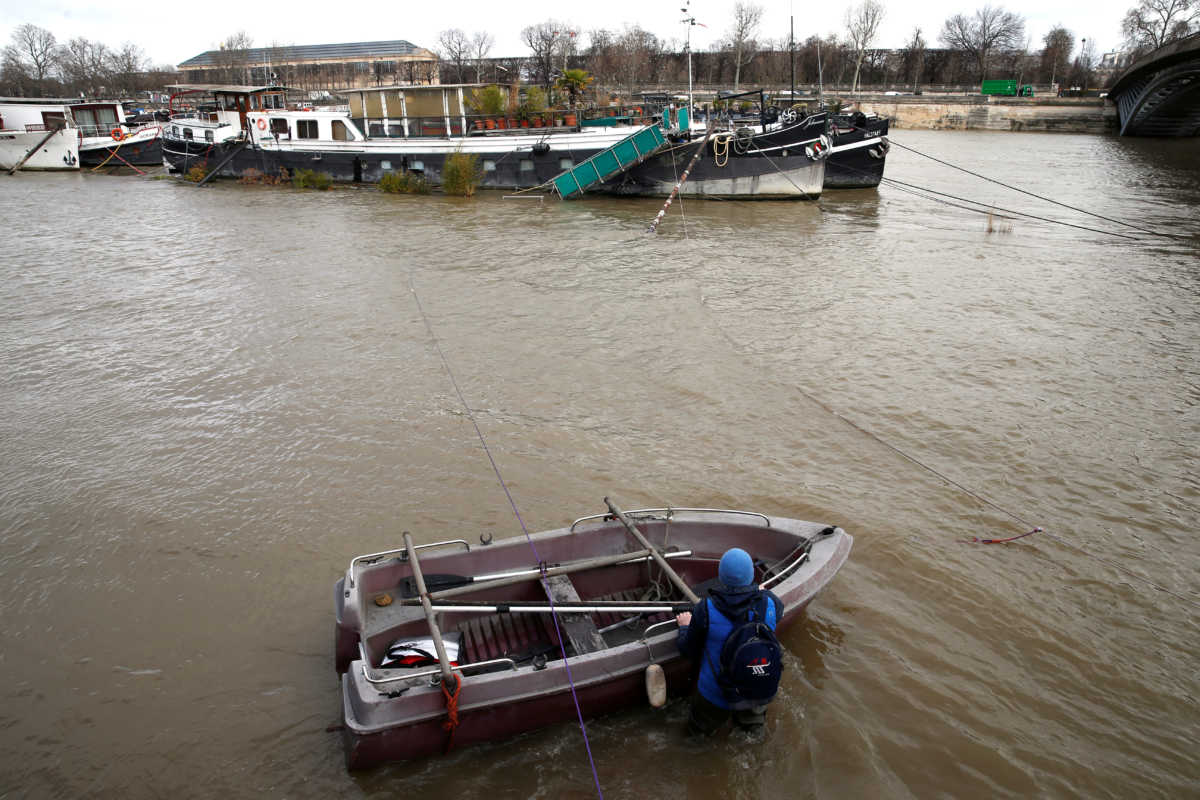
(212, 399)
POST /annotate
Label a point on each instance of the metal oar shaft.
(499, 580)
(434, 631)
(679, 582)
(565, 608)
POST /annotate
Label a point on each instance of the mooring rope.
(807, 195)
(929, 194)
(980, 498)
(898, 184)
(537, 558)
(1026, 191)
(682, 215)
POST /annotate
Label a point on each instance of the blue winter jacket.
(703, 638)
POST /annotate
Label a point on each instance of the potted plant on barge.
(532, 108)
(491, 103)
(574, 81)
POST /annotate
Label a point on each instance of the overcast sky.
(169, 34)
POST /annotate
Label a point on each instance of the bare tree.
(913, 55)
(741, 37)
(636, 51)
(991, 28)
(34, 49)
(454, 47)
(125, 66)
(283, 72)
(1057, 45)
(130, 58)
(233, 57)
(862, 23)
(481, 45)
(602, 58)
(540, 39)
(1152, 23)
(85, 66)
(1085, 64)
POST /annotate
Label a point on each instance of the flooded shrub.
(461, 174)
(308, 179)
(197, 173)
(251, 176)
(403, 183)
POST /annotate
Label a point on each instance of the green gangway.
(621, 156)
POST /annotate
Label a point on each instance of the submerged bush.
(461, 174)
(253, 176)
(403, 183)
(197, 173)
(308, 179)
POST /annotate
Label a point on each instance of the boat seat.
(580, 629)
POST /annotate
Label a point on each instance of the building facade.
(316, 67)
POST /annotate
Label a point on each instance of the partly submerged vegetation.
(461, 174)
(308, 179)
(403, 183)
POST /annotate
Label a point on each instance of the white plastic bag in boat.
(420, 652)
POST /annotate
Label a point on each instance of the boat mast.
(792, 50)
(689, 21)
(820, 81)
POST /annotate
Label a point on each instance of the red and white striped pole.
(682, 178)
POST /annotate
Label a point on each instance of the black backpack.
(751, 661)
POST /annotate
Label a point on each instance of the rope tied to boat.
(721, 148)
(451, 723)
(977, 540)
(452, 702)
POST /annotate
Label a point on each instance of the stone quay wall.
(979, 113)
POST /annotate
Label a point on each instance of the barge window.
(340, 134)
(489, 165)
(418, 166)
(306, 129)
(385, 165)
(526, 165)
(279, 127)
(208, 136)
(174, 130)
(187, 134)
(566, 163)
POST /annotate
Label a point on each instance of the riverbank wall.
(979, 113)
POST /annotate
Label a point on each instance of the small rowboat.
(605, 592)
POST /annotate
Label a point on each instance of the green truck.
(1007, 88)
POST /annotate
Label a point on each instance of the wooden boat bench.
(580, 629)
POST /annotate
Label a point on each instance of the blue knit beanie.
(736, 568)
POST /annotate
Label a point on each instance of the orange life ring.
(262, 124)
(117, 134)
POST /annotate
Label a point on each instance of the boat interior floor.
(522, 637)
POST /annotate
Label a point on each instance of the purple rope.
(541, 564)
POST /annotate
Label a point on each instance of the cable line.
(1031, 194)
(541, 564)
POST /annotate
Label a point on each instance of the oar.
(434, 631)
(572, 607)
(442, 586)
(679, 582)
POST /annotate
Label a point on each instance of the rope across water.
(537, 558)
